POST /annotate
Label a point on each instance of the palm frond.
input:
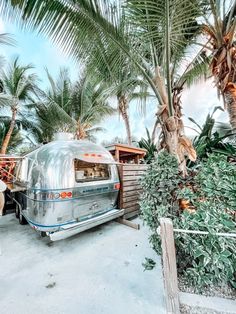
(65, 105)
(149, 146)
(196, 70)
(6, 39)
(16, 138)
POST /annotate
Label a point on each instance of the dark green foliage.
(212, 140)
(202, 259)
(16, 138)
(157, 200)
(207, 259)
(217, 180)
(149, 146)
(70, 107)
(149, 264)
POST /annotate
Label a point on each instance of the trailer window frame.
(91, 171)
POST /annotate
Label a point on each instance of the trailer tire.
(43, 234)
(17, 211)
(22, 220)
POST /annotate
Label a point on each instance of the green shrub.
(202, 259)
(159, 185)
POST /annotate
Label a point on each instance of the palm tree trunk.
(9, 132)
(230, 99)
(80, 132)
(123, 110)
(174, 141)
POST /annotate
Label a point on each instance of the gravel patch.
(223, 291)
(185, 309)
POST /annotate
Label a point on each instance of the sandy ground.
(98, 271)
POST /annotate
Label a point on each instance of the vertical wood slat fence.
(130, 188)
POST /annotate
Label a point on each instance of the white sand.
(98, 271)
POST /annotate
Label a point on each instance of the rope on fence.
(220, 234)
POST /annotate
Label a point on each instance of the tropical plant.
(68, 107)
(224, 128)
(125, 86)
(206, 259)
(5, 39)
(212, 138)
(154, 32)
(149, 146)
(220, 30)
(16, 138)
(18, 87)
(123, 80)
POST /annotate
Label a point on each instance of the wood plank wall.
(130, 188)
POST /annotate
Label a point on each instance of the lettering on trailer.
(99, 189)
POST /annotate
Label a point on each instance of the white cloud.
(198, 101)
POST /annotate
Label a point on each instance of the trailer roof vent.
(63, 136)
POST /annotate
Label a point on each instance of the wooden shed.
(126, 154)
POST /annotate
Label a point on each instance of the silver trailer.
(65, 187)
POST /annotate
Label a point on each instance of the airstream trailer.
(65, 187)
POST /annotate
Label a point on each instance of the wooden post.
(169, 266)
(120, 197)
(128, 223)
(117, 155)
(137, 159)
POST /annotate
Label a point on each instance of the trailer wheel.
(22, 219)
(43, 234)
(17, 211)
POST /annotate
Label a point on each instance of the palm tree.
(68, 107)
(16, 138)
(5, 39)
(154, 32)
(18, 86)
(220, 31)
(124, 85)
(122, 79)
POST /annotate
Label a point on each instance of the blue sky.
(36, 49)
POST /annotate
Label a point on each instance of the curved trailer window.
(89, 171)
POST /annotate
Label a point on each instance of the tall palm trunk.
(174, 140)
(168, 123)
(223, 71)
(9, 132)
(170, 131)
(230, 99)
(123, 110)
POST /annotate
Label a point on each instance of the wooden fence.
(166, 232)
(130, 188)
